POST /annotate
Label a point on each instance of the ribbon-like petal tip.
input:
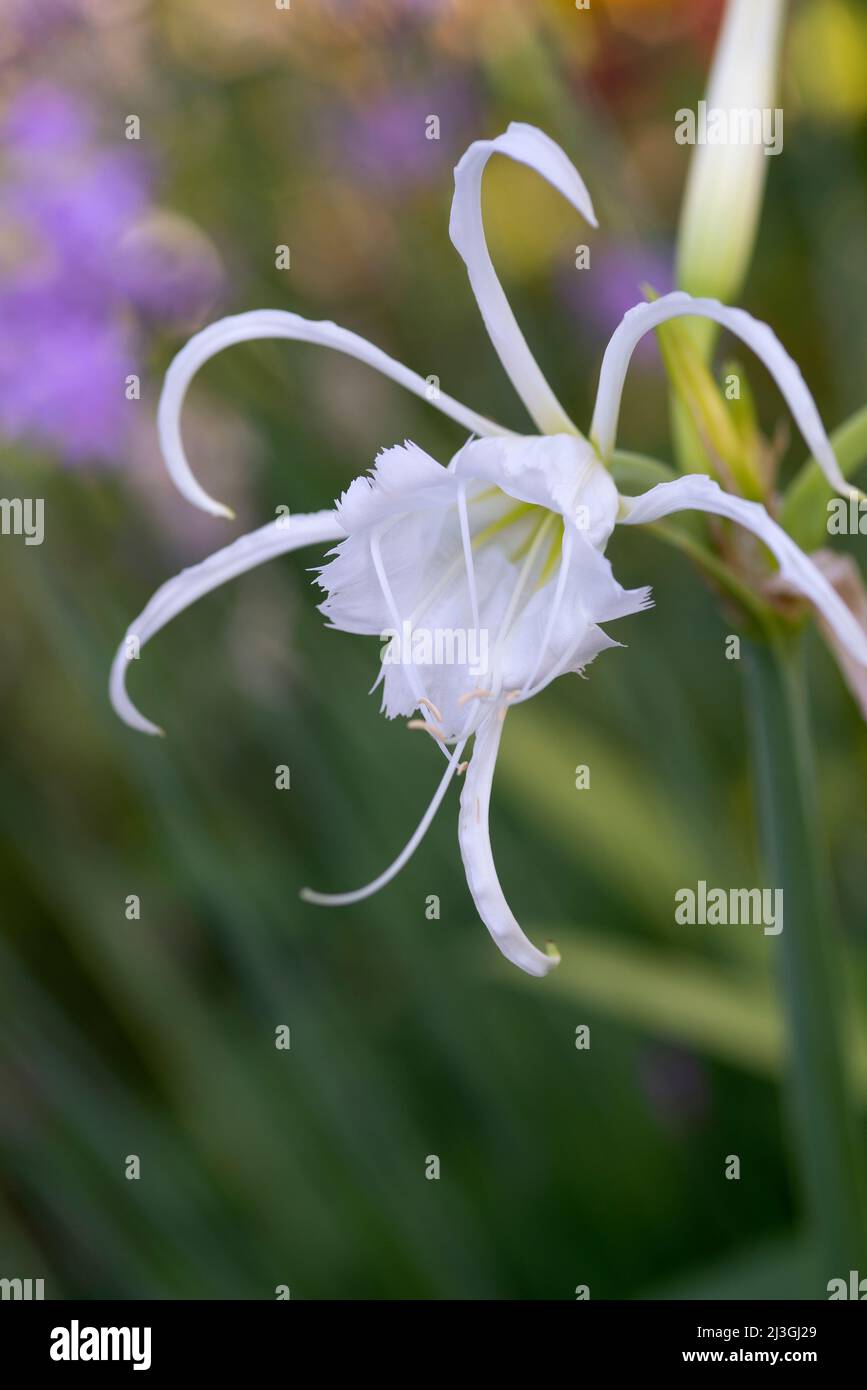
(186, 588)
(127, 712)
(553, 954)
(695, 492)
(144, 726)
(120, 701)
(475, 845)
(358, 895)
(206, 503)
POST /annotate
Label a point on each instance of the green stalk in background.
(820, 1096)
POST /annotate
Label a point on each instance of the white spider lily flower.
(507, 541)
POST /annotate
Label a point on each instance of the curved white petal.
(526, 145)
(698, 493)
(358, 894)
(277, 538)
(758, 336)
(274, 323)
(475, 842)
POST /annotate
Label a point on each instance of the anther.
(429, 728)
(476, 694)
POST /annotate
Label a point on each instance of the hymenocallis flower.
(506, 543)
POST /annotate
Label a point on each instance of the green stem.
(820, 1098)
(716, 569)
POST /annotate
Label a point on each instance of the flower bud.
(734, 131)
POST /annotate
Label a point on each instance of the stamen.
(468, 554)
(429, 704)
(520, 585)
(476, 694)
(376, 556)
(555, 606)
(432, 729)
(436, 589)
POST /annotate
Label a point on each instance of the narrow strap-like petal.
(526, 145)
(274, 323)
(358, 894)
(277, 538)
(758, 336)
(698, 493)
(475, 841)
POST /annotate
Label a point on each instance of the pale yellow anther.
(429, 728)
(476, 694)
(429, 704)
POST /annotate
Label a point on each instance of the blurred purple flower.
(167, 268)
(613, 283)
(25, 23)
(81, 249)
(62, 372)
(386, 141)
(46, 120)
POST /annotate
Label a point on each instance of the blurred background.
(259, 127)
